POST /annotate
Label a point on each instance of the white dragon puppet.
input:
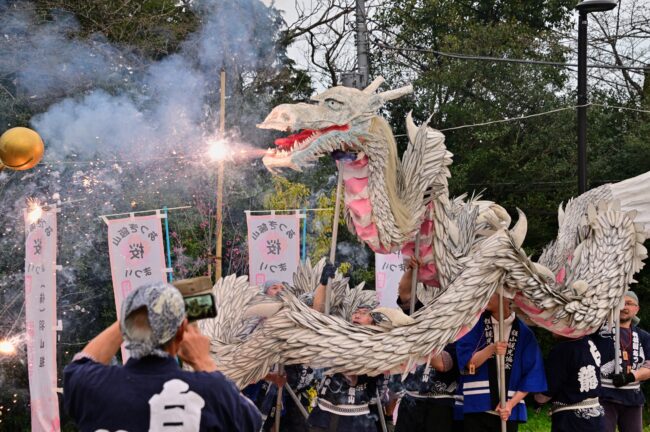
(467, 249)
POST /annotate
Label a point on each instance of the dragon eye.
(333, 104)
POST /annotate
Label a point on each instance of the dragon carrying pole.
(617, 338)
(414, 276)
(335, 232)
(296, 400)
(278, 402)
(501, 360)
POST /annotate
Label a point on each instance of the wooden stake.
(219, 227)
(335, 231)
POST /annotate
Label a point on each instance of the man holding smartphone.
(151, 392)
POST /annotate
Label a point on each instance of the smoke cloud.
(123, 133)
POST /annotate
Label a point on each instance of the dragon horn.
(518, 232)
(374, 85)
(397, 93)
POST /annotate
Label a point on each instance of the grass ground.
(542, 422)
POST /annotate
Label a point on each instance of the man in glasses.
(621, 394)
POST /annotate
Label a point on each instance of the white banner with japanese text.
(273, 247)
(135, 247)
(388, 271)
(40, 313)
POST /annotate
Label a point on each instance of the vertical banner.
(40, 313)
(273, 247)
(388, 272)
(137, 255)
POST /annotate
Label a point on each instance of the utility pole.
(362, 45)
(361, 77)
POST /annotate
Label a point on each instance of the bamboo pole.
(501, 360)
(219, 227)
(414, 275)
(335, 231)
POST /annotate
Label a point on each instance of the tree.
(522, 164)
(619, 37)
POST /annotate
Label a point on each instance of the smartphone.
(201, 306)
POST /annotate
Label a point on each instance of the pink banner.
(40, 313)
(137, 256)
(273, 247)
(388, 272)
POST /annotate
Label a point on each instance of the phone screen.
(200, 306)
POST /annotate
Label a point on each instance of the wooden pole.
(335, 231)
(501, 360)
(414, 276)
(219, 227)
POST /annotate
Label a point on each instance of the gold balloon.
(21, 148)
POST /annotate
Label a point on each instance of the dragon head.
(335, 122)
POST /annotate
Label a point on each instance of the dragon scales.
(466, 245)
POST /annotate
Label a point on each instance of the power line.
(553, 111)
(508, 60)
(505, 120)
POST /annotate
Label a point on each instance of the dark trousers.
(422, 415)
(486, 422)
(573, 421)
(627, 418)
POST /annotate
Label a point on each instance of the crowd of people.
(456, 389)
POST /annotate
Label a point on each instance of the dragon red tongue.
(287, 143)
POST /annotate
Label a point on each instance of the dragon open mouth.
(302, 139)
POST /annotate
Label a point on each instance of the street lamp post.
(584, 8)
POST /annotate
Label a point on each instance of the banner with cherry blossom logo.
(388, 272)
(273, 247)
(40, 313)
(135, 247)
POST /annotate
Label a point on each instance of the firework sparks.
(34, 210)
(9, 346)
(218, 150)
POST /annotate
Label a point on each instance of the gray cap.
(165, 312)
(269, 283)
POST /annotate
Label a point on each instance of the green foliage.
(288, 195)
(155, 27)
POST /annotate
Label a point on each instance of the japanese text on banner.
(137, 256)
(40, 313)
(273, 247)
(388, 272)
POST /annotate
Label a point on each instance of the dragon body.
(467, 245)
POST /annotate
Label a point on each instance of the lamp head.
(589, 6)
